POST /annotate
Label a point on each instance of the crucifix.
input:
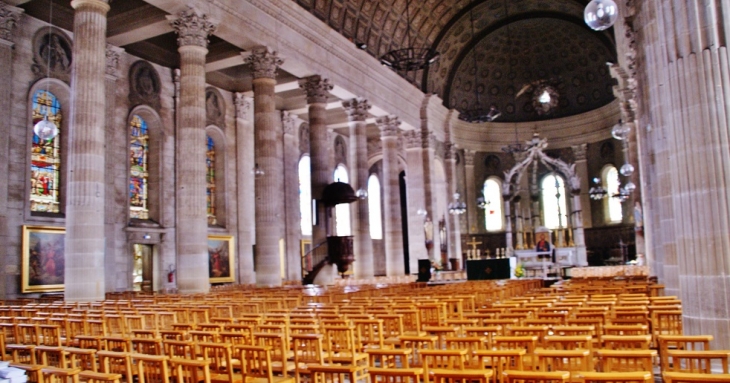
(473, 245)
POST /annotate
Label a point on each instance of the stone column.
(471, 192)
(392, 229)
(269, 157)
(293, 229)
(193, 30)
(84, 270)
(429, 194)
(9, 17)
(415, 189)
(357, 112)
(245, 195)
(581, 170)
(453, 226)
(116, 265)
(317, 90)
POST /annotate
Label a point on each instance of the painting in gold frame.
(221, 257)
(43, 259)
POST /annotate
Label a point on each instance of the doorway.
(142, 269)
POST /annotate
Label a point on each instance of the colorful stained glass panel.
(138, 172)
(210, 179)
(45, 165)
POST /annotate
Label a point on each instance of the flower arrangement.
(520, 270)
(436, 266)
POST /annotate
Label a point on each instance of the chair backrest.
(389, 358)
(151, 368)
(683, 377)
(147, 346)
(698, 361)
(500, 360)
(680, 342)
(82, 358)
(183, 349)
(395, 375)
(112, 362)
(626, 342)
(442, 360)
(220, 357)
(572, 361)
(370, 333)
(53, 356)
(469, 376)
(256, 362)
(615, 377)
(60, 375)
(513, 376)
(625, 360)
(189, 370)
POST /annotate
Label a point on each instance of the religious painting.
(43, 259)
(144, 85)
(306, 248)
(221, 256)
(542, 242)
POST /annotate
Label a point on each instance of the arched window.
(612, 205)
(554, 208)
(45, 165)
(305, 195)
(342, 211)
(139, 153)
(493, 217)
(210, 179)
(374, 212)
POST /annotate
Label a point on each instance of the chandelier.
(410, 58)
(597, 192)
(457, 207)
(477, 114)
(45, 129)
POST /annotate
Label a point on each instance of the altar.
(542, 262)
(490, 268)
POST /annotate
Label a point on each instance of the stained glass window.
(493, 217)
(138, 168)
(612, 204)
(305, 195)
(45, 165)
(554, 208)
(374, 211)
(210, 178)
(342, 211)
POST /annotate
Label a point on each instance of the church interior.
(496, 164)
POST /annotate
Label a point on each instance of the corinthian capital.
(243, 105)
(191, 28)
(357, 109)
(9, 17)
(264, 62)
(413, 139)
(289, 122)
(469, 157)
(388, 126)
(317, 89)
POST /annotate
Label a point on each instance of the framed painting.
(306, 247)
(43, 259)
(221, 258)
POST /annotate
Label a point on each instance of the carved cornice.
(242, 105)
(191, 28)
(112, 60)
(317, 89)
(264, 62)
(412, 139)
(469, 157)
(357, 109)
(579, 152)
(625, 92)
(388, 126)
(9, 17)
(289, 122)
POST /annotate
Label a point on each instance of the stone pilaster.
(392, 229)
(581, 170)
(472, 191)
(453, 226)
(418, 242)
(84, 252)
(430, 194)
(290, 123)
(357, 112)
(269, 157)
(317, 90)
(193, 30)
(9, 17)
(245, 195)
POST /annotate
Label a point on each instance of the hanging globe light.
(627, 169)
(621, 131)
(600, 14)
(630, 187)
(361, 194)
(45, 129)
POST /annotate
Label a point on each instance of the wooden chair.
(340, 346)
(111, 362)
(683, 377)
(151, 368)
(468, 376)
(256, 365)
(417, 343)
(147, 346)
(441, 333)
(60, 375)
(189, 370)
(181, 349)
(99, 377)
(280, 354)
(512, 376)
(625, 360)
(53, 356)
(370, 333)
(471, 345)
(615, 377)
(389, 358)
(573, 361)
(696, 361)
(395, 375)
(636, 329)
(442, 360)
(338, 373)
(527, 343)
(220, 356)
(680, 342)
(82, 358)
(626, 342)
(500, 360)
(307, 350)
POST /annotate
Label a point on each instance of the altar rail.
(609, 271)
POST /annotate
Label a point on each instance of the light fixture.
(627, 169)
(477, 114)
(410, 58)
(146, 236)
(422, 212)
(482, 203)
(621, 131)
(45, 129)
(600, 14)
(258, 171)
(457, 207)
(361, 194)
(597, 192)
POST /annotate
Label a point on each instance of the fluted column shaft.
(358, 153)
(393, 231)
(84, 248)
(415, 189)
(269, 157)
(472, 191)
(293, 229)
(692, 80)
(191, 210)
(454, 229)
(245, 195)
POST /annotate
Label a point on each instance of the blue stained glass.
(138, 168)
(210, 179)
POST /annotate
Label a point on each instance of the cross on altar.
(473, 244)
